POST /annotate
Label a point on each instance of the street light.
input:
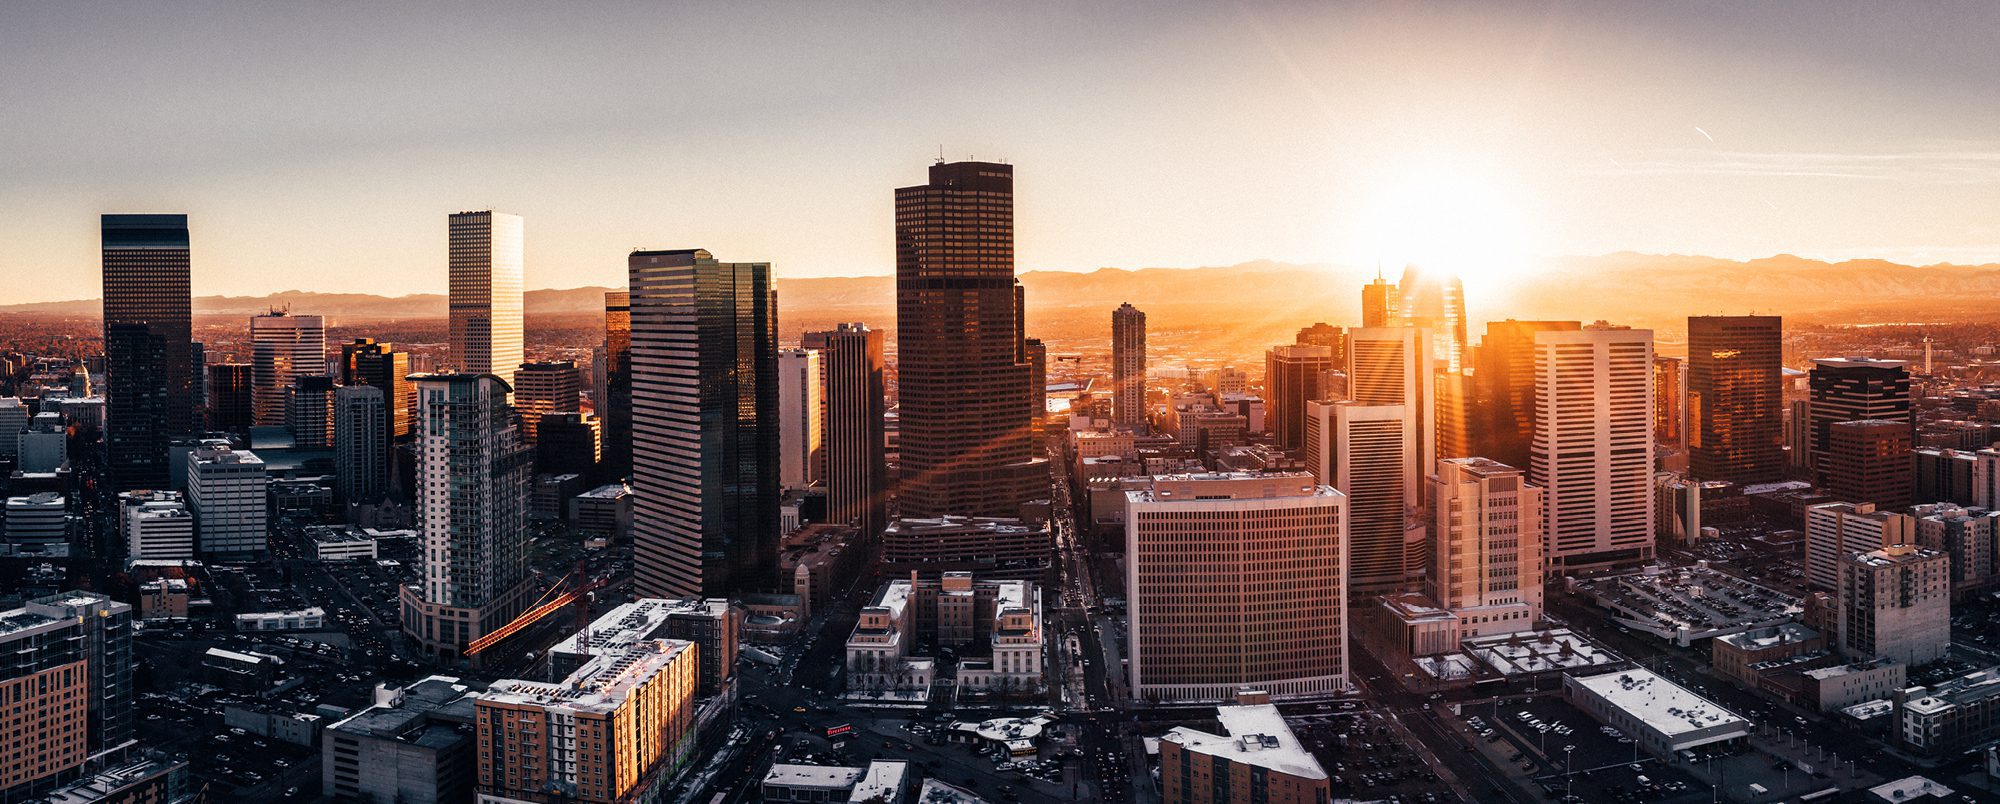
(1568, 780)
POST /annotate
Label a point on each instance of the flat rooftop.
(1664, 706)
(600, 685)
(817, 776)
(1255, 735)
(634, 622)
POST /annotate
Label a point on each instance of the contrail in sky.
(1704, 133)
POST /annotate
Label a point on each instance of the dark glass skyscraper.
(966, 443)
(1735, 398)
(705, 430)
(857, 487)
(1846, 389)
(366, 361)
(614, 406)
(1502, 421)
(148, 351)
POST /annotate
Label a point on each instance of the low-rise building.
(1950, 717)
(883, 781)
(604, 512)
(337, 543)
(990, 546)
(1663, 717)
(297, 728)
(413, 746)
(164, 599)
(1256, 759)
(156, 524)
(997, 623)
(1849, 683)
(1733, 655)
(307, 619)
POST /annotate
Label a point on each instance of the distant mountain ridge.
(1627, 287)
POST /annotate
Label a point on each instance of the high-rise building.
(68, 680)
(569, 443)
(1379, 303)
(148, 348)
(14, 418)
(1128, 366)
(472, 514)
(705, 438)
(616, 729)
(1895, 603)
(1504, 428)
(1593, 444)
(1372, 463)
(1393, 366)
(361, 442)
(1846, 389)
(614, 403)
(1870, 461)
(366, 361)
(1291, 379)
(1435, 303)
(38, 521)
(309, 412)
(1669, 402)
(966, 444)
(1038, 380)
(156, 524)
(543, 388)
(857, 487)
(486, 293)
(1236, 580)
(1735, 398)
(230, 406)
(284, 347)
(801, 417)
(1324, 334)
(1486, 560)
(226, 491)
(1838, 529)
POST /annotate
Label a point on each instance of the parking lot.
(1571, 754)
(1363, 756)
(1700, 601)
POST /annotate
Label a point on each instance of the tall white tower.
(1593, 444)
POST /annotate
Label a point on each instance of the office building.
(1970, 537)
(544, 388)
(882, 781)
(68, 683)
(1662, 717)
(366, 361)
(1869, 461)
(1669, 402)
(1291, 379)
(1236, 580)
(361, 442)
(1486, 556)
(997, 547)
(1434, 302)
(569, 443)
(14, 419)
(1593, 445)
(1944, 475)
(1895, 603)
(1392, 366)
(801, 417)
(1128, 366)
(1735, 386)
(472, 514)
(44, 447)
(485, 305)
(1846, 389)
(148, 349)
(1947, 718)
(966, 442)
(1503, 427)
(309, 412)
(414, 745)
(1038, 379)
(604, 512)
(156, 525)
(705, 440)
(1255, 760)
(231, 408)
(616, 729)
(614, 403)
(1837, 530)
(38, 522)
(1379, 303)
(283, 348)
(226, 492)
(857, 484)
(1373, 465)
(998, 621)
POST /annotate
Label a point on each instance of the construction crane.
(573, 587)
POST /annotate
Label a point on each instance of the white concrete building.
(156, 524)
(1662, 716)
(1486, 554)
(1895, 603)
(1837, 530)
(39, 520)
(1593, 444)
(485, 306)
(801, 417)
(226, 492)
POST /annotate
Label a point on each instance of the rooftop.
(1760, 638)
(601, 684)
(820, 776)
(633, 622)
(1663, 705)
(405, 715)
(1254, 735)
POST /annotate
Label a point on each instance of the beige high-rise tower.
(1486, 556)
(486, 264)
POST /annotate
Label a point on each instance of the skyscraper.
(1379, 303)
(1845, 389)
(230, 397)
(1735, 398)
(1038, 380)
(1372, 449)
(1870, 461)
(1669, 402)
(1486, 560)
(544, 388)
(614, 404)
(1128, 366)
(472, 514)
(283, 347)
(1505, 378)
(485, 306)
(801, 417)
(309, 412)
(148, 350)
(366, 361)
(705, 436)
(1236, 580)
(1393, 366)
(361, 442)
(1291, 379)
(1593, 444)
(857, 488)
(966, 443)
(1435, 302)
(226, 492)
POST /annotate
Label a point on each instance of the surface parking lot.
(1570, 753)
(1364, 758)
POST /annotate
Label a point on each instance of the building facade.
(226, 492)
(1593, 444)
(1895, 603)
(148, 346)
(857, 483)
(1837, 530)
(361, 427)
(801, 417)
(283, 348)
(544, 388)
(1735, 398)
(1128, 366)
(1846, 389)
(485, 293)
(1486, 557)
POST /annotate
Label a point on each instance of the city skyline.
(1653, 152)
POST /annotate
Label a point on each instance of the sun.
(1452, 221)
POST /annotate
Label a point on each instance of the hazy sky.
(320, 146)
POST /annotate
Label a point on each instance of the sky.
(320, 146)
